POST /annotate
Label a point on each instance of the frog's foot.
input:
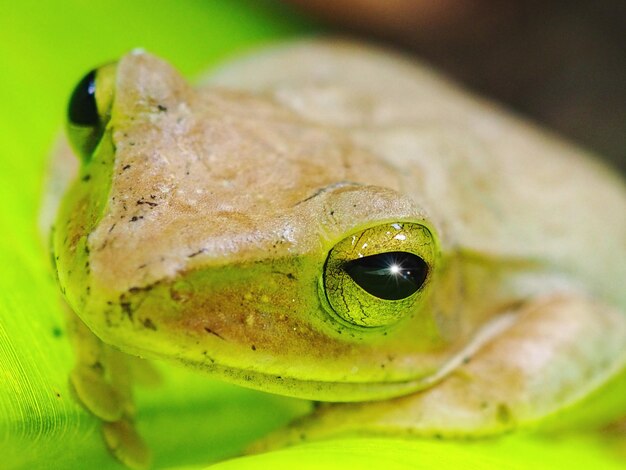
(102, 380)
(126, 444)
(560, 354)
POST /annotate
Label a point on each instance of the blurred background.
(562, 63)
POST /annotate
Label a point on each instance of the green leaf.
(515, 453)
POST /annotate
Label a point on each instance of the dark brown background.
(563, 63)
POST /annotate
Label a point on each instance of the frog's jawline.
(356, 391)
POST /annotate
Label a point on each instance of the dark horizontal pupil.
(82, 109)
(390, 276)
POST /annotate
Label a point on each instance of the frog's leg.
(102, 380)
(558, 354)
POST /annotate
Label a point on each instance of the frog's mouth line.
(337, 391)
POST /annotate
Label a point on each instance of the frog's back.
(491, 182)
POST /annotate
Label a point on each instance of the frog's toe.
(96, 394)
(126, 444)
(102, 380)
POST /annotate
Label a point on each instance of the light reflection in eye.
(390, 276)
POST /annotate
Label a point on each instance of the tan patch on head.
(210, 172)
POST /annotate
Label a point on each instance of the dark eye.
(88, 111)
(82, 109)
(390, 276)
(377, 276)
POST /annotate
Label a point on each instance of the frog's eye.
(89, 110)
(390, 276)
(378, 276)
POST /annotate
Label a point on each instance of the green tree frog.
(330, 221)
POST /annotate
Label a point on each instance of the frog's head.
(222, 230)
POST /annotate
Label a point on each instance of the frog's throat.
(354, 391)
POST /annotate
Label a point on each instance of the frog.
(333, 221)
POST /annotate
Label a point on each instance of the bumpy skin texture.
(199, 230)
